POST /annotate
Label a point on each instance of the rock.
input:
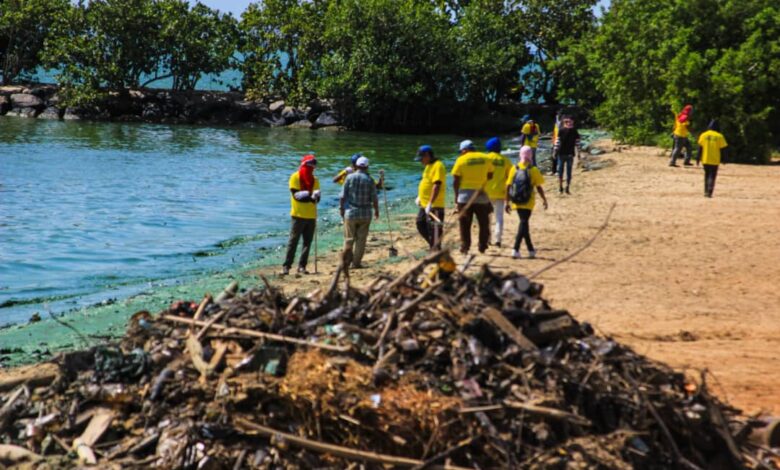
(51, 112)
(8, 89)
(273, 121)
(326, 119)
(5, 104)
(276, 106)
(302, 124)
(596, 151)
(291, 114)
(152, 112)
(71, 115)
(25, 100)
(22, 112)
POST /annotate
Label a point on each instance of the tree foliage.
(24, 26)
(650, 57)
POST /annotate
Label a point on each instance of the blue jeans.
(565, 162)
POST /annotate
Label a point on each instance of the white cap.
(466, 144)
(362, 162)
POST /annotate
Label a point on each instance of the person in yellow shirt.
(680, 135)
(712, 148)
(430, 197)
(496, 189)
(471, 174)
(521, 182)
(341, 177)
(304, 196)
(529, 135)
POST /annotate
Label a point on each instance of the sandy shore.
(684, 279)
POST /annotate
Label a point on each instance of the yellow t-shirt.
(681, 128)
(432, 173)
(496, 189)
(472, 168)
(711, 142)
(302, 210)
(342, 178)
(527, 131)
(536, 180)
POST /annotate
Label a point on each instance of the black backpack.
(521, 189)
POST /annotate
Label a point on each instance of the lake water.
(92, 211)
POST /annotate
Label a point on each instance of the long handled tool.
(392, 251)
(315, 247)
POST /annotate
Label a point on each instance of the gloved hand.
(349, 170)
(428, 208)
(417, 201)
(301, 195)
(316, 195)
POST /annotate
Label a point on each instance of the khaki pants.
(355, 237)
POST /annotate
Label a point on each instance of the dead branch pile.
(431, 369)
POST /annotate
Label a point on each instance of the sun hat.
(466, 145)
(362, 162)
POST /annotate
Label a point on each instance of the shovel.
(391, 251)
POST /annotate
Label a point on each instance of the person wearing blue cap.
(341, 177)
(430, 197)
(496, 189)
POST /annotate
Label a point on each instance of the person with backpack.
(521, 181)
(566, 144)
(680, 136)
(304, 196)
(529, 134)
(496, 188)
(470, 177)
(712, 147)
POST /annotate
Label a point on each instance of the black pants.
(710, 173)
(466, 217)
(298, 227)
(679, 144)
(431, 230)
(524, 232)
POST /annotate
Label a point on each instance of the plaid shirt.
(359, 195)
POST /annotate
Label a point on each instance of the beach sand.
(681, 278)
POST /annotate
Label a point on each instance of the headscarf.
(526, 155)
(685, 114)
(714, 126)
(306, 172)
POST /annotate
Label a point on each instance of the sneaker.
(688, 164)
(673, 164)
(498, 245)
(302, 270)
(532, 254)
(357, 266)
(560, 189)
(567, 190)
(285, 270)
(516, 254)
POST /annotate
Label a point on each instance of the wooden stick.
(257, 334)
(338, 451)
(402, 277)
(499, 320)
(548, 412)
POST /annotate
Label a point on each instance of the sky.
(238, 6)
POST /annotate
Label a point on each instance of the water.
(96, 211)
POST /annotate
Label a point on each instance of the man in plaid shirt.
(357, 199)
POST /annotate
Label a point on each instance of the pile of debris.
(431, 369)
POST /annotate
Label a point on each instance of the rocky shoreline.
(168, 107)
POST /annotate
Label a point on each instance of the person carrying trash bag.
(304, 196)
(471, 174)
(712, 148)
(341, 177)
(521, 182)
(357, 199)
(529, 134)
(680, 136)
(430, 197)
(496, 188)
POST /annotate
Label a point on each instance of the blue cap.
(526, 118)
(493, 145)
(423, 149)
(355, 157)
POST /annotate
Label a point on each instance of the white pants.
(498, 211)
